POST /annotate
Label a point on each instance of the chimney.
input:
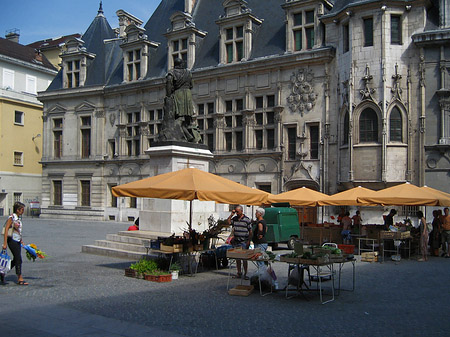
(13, 35)
(189, 6)
(38, 55)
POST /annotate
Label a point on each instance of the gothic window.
(57, 137)
(368, 32)
(396, 29)
(73, 73)
(395, 125)
(264, 122)
(303, 30)
(133, 64)
(368, 126)
(85, 136)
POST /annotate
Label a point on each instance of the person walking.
(445, 222)
(423, 237)
(242, 234)
(435, 235)
(15, 242)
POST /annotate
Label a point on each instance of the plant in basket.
(144, 266)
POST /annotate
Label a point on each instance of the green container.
(282, 225)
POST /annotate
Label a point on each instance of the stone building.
(23, 72)
(289, 93)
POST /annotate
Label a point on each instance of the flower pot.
(175, 275)
(130, 272)
(159, 278)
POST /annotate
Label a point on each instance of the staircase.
(126, 244)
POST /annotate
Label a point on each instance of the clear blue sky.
(39, 20)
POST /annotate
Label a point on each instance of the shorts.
(346, 234)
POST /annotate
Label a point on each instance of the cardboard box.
(241, 290)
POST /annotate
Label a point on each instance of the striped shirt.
(241, 228)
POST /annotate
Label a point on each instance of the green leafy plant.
(144, 266)
(175, 267)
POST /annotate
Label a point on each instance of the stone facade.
(288, 94)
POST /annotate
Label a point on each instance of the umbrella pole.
(190, 215)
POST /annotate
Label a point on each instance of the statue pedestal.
(167, 215)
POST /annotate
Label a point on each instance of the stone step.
(122, 246)
(111, 252)
(125, 239)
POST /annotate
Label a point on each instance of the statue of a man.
(178, 123)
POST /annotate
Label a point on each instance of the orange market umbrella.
(299, 197)
(444, 198)
(349, 197)
(403, 194)
(190, 184)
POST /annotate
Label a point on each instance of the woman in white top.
(15, 241)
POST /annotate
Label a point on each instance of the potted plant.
(141, 267)
(175, 270)
(158, 276)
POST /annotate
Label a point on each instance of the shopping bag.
(5, 262)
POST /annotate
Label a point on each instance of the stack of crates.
(369, 257)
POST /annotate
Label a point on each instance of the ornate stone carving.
(396, 88)
(422, 71)
(302, 98)
(367, 92)
(112, 118)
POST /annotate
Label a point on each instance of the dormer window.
(237, 27)
(234, 44)
(182, 39)
(75, 60)
(302, 25)
(73, 74)
(136, 51)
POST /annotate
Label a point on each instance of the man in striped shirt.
(242, 234)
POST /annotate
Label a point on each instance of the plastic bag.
(5, 262)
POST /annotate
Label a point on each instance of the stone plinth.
(166, 215)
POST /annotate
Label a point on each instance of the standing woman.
(15, 241)
(423, 236)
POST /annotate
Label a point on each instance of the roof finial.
(100, 9)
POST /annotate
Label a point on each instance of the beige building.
(288, 93)
(23, 73)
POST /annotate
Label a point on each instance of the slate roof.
(23, 53)
(51, 43)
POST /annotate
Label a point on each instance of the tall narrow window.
(113, 197)
(228, 141)
(234, 44)
(239, 146)
(180, 49)
(303, 30)
(292, 142)
(8, 79)
(259, 139)
(57, 192)
(133, 64)
(57, 137)
(270, 139)
(368, 126)
(31, 82)
(73, 74)
(85, 137)
(314, 141)
(298, 22)
(395, 125)
(396, 29)
(133, 202)
(345, 136)
(85, 192)
(368, 32)
(345, 38)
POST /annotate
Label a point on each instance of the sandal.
(22, 283)
(237, 276)
(246, 278)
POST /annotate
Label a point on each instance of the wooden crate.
(239, 253)
(178, 248)
(286, 258)
(241, 290)
(166, 249)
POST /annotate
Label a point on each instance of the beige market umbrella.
(349, 198)
(302, 196)
(190, 184)
(444, 198)
(405, 194)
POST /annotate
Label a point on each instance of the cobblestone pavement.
(77, 294)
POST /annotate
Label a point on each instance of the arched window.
(395, 125)
(368, 126)
(346, 127)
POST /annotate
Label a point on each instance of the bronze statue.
(178, 122)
